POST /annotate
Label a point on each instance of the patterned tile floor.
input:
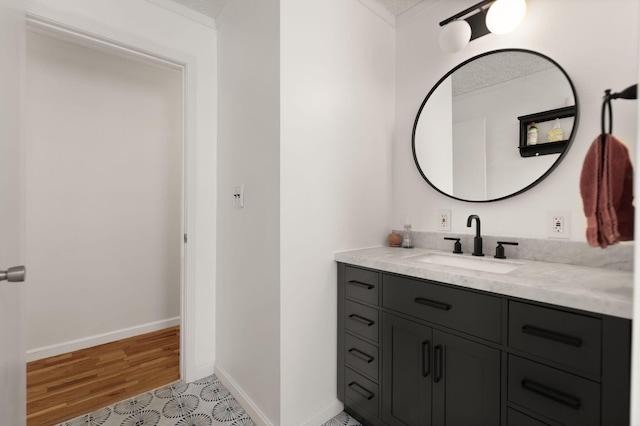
(205, 402)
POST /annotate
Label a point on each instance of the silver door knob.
(14, 275)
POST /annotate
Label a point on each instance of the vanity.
(541, 338)
(427, 341)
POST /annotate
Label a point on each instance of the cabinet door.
(406, 372)
(466, 382)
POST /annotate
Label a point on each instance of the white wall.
(248, 278)
(305, 124)
(104, 192)
(436, 159)
(337, 118)
(151, 28)
(568, 32)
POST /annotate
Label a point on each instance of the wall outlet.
(444, 220)
(558, 224)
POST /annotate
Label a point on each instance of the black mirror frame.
(543, 176)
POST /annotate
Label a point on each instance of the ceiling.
(494, 69)
(398, 6)
(213, 8)
(210, 8)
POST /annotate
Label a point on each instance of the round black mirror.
(470, 134)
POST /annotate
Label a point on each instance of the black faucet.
(477, 241)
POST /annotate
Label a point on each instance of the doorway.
(104, 178)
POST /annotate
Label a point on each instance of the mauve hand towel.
(606, 186)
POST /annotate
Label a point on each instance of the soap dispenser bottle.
(407, 238)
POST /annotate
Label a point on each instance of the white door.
(12, 351)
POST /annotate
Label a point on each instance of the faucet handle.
(500, 249)
(457, 247)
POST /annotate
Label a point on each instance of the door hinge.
(185, 238)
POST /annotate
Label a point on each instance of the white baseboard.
(335, 408)
(198, 372)
(258, 417)
(99, 339)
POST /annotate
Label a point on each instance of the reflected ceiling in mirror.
(467, 134)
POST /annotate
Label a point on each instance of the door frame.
(140, 51)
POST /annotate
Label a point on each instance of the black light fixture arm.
(466, 12)
(630, 92)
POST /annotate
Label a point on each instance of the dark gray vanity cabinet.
(567, 367)
(407, 372)
(431, 377)
(358, 342)
(413, 352)
(466, 382)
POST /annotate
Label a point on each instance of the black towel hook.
(606, 103)
(630, 92)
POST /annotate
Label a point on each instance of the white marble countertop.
(604, 291)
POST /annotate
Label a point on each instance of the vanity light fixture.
(493, 16)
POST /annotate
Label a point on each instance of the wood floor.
(69, 385)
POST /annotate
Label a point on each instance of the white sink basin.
(476, 263)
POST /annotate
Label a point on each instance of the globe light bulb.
(505, 15)
(454, 36)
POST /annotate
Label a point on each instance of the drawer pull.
(438, 364)
(426, 358)
(361, 355)
(547, 392)
(362, 320)
(361, 391)
(432, 303)
(552, 335)
(361, 284)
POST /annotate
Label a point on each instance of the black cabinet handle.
(361, 355)
(550, 393)
(426, 358)
(552, 335)
(432, 303)
(438, 364)
(361, 391)
(362, 320)
(361, 284)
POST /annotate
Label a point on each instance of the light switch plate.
(238, 196)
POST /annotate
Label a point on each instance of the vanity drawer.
(361, 356)
(463, 310)
(360, 392)
(362, 285)
(361, 320)
(516, 418)
(567, 338)
(559, 396)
